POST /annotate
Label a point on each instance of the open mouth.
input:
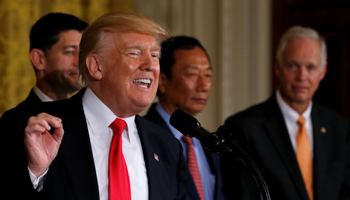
(144, 83)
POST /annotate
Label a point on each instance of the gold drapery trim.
(16, 18)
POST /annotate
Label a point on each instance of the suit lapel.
(154, 116)
(76, 151)
(278, 133)
(33, 98)
(149, 153)
(320, 151)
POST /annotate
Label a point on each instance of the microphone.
(190, 127)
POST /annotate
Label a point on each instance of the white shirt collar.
(99, 116)
(288, 112)
(42, 96)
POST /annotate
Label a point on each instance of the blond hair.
(92, 40)
(299, 32)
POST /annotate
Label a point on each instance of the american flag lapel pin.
(155, 157)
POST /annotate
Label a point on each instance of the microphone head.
(184, 122)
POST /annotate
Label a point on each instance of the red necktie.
(193, 166)
(119, 183)
(304, 156)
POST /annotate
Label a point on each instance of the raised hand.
(41, 146)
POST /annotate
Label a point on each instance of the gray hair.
(299, 32)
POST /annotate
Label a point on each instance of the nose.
(149, 63)
(203, 83)
(302, 73)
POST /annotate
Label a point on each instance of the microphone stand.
(222, 142)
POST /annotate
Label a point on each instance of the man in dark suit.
(54, 49)
(301, 148)
(119, 64)
(185, 83)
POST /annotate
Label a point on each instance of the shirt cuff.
(38, 183)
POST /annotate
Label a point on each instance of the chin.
(144, 104)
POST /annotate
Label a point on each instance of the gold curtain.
(17, 17)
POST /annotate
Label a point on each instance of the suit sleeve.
(237, 180)
(345, 189)
(14, 161)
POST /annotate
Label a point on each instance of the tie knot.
(118, 125)
(187, 140)
(301, 121)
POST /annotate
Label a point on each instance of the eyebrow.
(157, 48)
(195, 67)
(70, 46)
(134, 47)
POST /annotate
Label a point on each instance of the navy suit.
(72, 173)
(263, 131)
(213, 159)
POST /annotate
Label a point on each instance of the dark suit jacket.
(31, 99)
(263, 131)
(72, 173)
(213, 159)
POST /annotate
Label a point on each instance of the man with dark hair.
(185, 83)
(54, 49)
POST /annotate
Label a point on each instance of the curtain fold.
(16, 18)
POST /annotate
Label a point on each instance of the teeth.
(147, 81)
(144, 86)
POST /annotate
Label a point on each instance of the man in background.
(301, 148)
(185, 83)
(54, 50)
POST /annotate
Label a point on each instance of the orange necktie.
(193, 166)
(304, 156)
(119, 183)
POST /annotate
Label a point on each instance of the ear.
(277, 69)
(94, 66)
(323, 73)
(38, 59)
(163, 82)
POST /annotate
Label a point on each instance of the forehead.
(302, 48)
(191, 57)
(69, 36)
(133, 40)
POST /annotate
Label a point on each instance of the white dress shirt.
(291, 117)
(98, 118)
(43, 97)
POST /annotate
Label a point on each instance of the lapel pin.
(323, 130)
(155, 157)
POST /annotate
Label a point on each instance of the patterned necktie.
(304, 156)
(119, 183)
(193, 166)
